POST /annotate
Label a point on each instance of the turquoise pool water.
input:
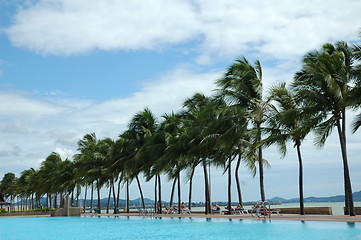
(115, 228)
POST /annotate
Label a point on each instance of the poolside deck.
(295, 217)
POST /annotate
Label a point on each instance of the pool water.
(115, 228)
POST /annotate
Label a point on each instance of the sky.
(68, 68)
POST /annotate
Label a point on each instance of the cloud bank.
(277, 29)
(33, 125)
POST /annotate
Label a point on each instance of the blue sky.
(68, 68)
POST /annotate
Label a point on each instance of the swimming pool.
(116, 228)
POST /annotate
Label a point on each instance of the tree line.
(233, 125)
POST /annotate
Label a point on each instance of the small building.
(2, 201)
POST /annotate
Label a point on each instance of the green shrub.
(2, 210)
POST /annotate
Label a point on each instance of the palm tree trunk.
(55, 199)
(140, 191)
(118, 195)
(349, 206)
(261, 178)
(128, 200)
(190, 189)
(61, 199)
(300, 177)
(72, 198)
(229, 186)
(260, 164)
(206, 187)
(78, 191)
(238, 182)
(110, 194)
(91, 196)
(86, 191)
(160, 194)
(98, 188)
(114, 198)
(179, 193)
(172, 193)
(155, 194)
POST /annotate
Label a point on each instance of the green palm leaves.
(242, 88)
(324, 86)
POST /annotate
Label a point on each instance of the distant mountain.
(277, 199)
(338, 198)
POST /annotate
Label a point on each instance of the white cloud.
(80, 26)
(20, 105)
(226, 28)
(43, 125)
(15, 128)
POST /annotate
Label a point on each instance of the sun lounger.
(217, 211)
(241, 211)
(186, 211)
(175, 210)
(170, 211)
(277, 211)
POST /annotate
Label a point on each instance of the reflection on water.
(351, 224)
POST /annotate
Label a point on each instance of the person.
(239, 206)
(183, 206)
(167, 210)
(217, 207)
(158, 207)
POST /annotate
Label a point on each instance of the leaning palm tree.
(324, 85)
(143, 128)
(197, 117)
(288, 122)
(242, 87)
(91, 162)
(173, 157)
(232, 138)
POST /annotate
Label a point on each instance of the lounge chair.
(277, 211)
(186, 210)
(240, 211)
(218, 210)
(170, 210)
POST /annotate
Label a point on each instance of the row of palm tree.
(235, 124)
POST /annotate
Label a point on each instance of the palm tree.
(91, 162)
(108, 173)
(324, 84)
(197, 116)
(288, 122)
(8, 186)
(232, 139)
(175, 157)
(47, 172)
(356, 91)
(142, 131)
(242, 87)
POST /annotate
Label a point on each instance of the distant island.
(338, 198)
